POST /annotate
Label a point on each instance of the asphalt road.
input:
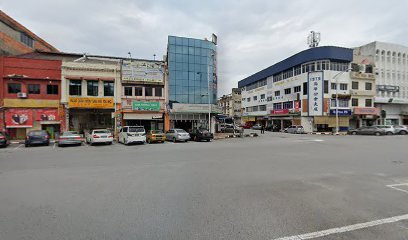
(270, 187)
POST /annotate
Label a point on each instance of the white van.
(132, 134)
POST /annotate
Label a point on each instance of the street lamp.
(337, 98)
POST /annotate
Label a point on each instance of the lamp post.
(336, 77)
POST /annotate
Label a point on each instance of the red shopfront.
(19, 121)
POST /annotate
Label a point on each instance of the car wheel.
(26, 145)
(174, 140)
(403, 132)
(125, 141)
(389, 133)
(208, 140)
(353, 133)
(377, 134)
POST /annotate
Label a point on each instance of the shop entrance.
(82, 120)
(16, 133)
(52, 129)
(147, 124)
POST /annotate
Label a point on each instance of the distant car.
(70, 138)
(37, 137)
(132, 134)
(285, 130)
(199, 135)
(389, 130)
(4, 142)
(401, 129)
(155, 136)
(257, 127)
(99, 136)
(295, 129)
(177, 135)
(247, 125)
(368, 130)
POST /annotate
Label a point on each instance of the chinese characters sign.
(84, 102)
(315, 80)
(142, 71)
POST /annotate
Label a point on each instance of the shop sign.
(47, 115)
(366, 111)
(297, 106)
(280, 112)
(146, 106)
(87, 102)
(195, 108)
(315, 93)
(19, 118)
(142, 71)
(340, 112)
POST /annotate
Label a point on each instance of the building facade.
(231, 104)
(15, 39)
(30, 96)
(390, 63)
(192, 81)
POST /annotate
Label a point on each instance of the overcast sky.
(252, 34)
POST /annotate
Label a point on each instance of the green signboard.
(146, 106)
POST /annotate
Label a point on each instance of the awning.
(142, 116)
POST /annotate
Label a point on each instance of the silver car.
(389, 130)
(177, 135)
(70, 138)
(401, 129)
(295, 129)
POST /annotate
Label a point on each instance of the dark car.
(37, 137)
(368, 131)
(3, 140)
(199, 135)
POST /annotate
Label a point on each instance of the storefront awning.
(142, 116)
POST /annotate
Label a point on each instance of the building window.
(255, 109)
(354, 102)
(262, 108)
(92, 88)
(326, 86)
(333, 86)
(354, 85)
(255, 98)
(288, 105)
(288, 91)
(128, 91)
(138, 91)
(343, 86)
(305, 86)
(262, 96)
(108, 88)
(277, 106)
(368, 103)
(158, 92)
(269, 99)
(343, 103)
(148, 91)
(297, 89)
(34, 88)
(248, 99)
(14, 87)
(75, 87)
(368, 86)
(27, 40)
(52, 89)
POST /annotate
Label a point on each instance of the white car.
(389, 130)
(132, 134)
(99, 136)
(295, 129)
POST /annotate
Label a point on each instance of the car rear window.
(136, 129)
(157, 131)
(37, 133)
(70, 133)
(101, 131)
(181, 130)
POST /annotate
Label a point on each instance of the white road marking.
(18, 146)
(396, 187)
(53, 147)
(344, 229)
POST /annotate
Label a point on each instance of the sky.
(252, 34)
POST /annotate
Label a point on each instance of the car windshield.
(101, 131)
(70, 133)
(180, 130)
(156, 131)
(136, 129)
(37, 133)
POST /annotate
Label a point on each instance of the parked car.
(155, 136)
(4, 141)
(99, 136)
(368, 130)
(257, 127)
(285, 130)
(401, 129)
(389, 130)
(199, 135)
(247, 125)
(37, 137)
(132, 134)
(70, 138)
(295, 129)
(177, 134)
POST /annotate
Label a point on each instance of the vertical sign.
(315, 95)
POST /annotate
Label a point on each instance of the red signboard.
(19, 118)
(297, 106)
(47, 115)
(367, 111)
(280, 112)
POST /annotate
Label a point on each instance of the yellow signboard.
(86, 102)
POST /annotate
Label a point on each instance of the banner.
(47, 115)
(146, 106)
(315, 93)
(19, 118)
(86, 102)
(142, 71)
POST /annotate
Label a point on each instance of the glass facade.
(192, 70)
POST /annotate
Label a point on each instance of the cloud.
(252, 34)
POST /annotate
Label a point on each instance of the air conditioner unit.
(22, 95)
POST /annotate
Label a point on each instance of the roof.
(18, 27)
(311, 54)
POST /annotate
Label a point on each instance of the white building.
(391, 72)
(253, 101)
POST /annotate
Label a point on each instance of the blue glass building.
(192, 70)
